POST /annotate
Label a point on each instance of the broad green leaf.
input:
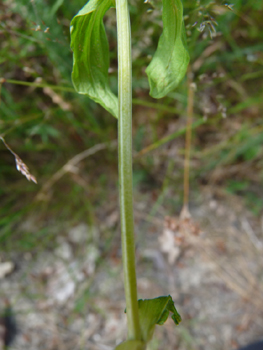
(170, 61)
(131, 345)
(156, 311)
(91, 54)
(152, 312)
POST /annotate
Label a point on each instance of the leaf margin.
(169, 63)
(90, 48)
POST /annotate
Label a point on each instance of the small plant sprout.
(90, 77)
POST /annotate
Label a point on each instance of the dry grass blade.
(235, 273)
(1, 82)
(71, 165)
(20, 165)
(251, 234)
(237, 277)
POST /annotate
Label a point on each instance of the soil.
(72, 297)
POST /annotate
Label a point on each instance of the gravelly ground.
(73, 298)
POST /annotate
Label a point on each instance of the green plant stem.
(125, 166)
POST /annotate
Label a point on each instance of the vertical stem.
(190, 108)
(125, 166)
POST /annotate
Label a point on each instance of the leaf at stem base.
(151, 312)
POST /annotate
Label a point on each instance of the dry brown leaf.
(175, 232)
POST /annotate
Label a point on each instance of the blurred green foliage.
(48, 125)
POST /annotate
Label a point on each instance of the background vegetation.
(47, 124)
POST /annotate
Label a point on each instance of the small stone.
(64, 251)
(6, 268)
(79, 233)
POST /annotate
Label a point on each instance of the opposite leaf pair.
(91, 53)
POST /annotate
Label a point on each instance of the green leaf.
(170, 61)
(90, 48)
(151, 312)
(131, 345)
(156, 311)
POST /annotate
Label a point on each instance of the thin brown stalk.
(188, 137)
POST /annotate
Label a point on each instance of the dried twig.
(251, 234)
(70, 166)
(190, 111)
